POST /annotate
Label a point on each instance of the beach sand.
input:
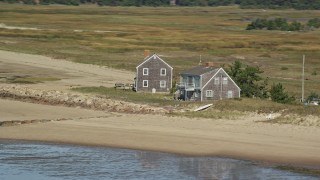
(20, 111)
(240, 139)
(71, 74)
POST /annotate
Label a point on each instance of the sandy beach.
(242, 139)
(245, 138)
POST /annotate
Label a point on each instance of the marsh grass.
(117, 36)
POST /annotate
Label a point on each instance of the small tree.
(278, 94)
(263, 91)
(174, 87)
(248, 79)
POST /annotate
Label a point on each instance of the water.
(36, 161)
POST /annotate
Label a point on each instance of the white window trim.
(145, 74)
(225, 80)
(207, 91)
(216, 80)
(231, 94)
(145, 81)
(165, 72)
(164, 84)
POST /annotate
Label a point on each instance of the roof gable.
(221, 69)
(199, 70)
(154, 56)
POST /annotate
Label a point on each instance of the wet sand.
(241, 139)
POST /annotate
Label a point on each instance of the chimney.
(209, 64)
(146, 53)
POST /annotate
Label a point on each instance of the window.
(184, 79)
(230, 94)
(209, 93)
(145, 71)
(225, 80)
(163, 71)
(163, 84)
(197, 82)
(145, 83)
(216, 80)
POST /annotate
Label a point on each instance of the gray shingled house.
(153, 75)
(206, 83)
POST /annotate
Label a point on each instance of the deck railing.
(187, 86)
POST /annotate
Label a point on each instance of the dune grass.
(117, 36)
(223, 109)
(129, 95)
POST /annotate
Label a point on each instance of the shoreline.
(179, 135)
(297, 168)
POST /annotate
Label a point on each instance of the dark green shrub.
(278, 94)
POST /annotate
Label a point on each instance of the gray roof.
(199, 70)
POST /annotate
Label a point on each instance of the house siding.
(206, 77)
(220, 91)
(154, 64)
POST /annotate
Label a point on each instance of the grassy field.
(117, 37)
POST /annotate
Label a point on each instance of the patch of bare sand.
(244, 139)
(21, 111)
(72, 74)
